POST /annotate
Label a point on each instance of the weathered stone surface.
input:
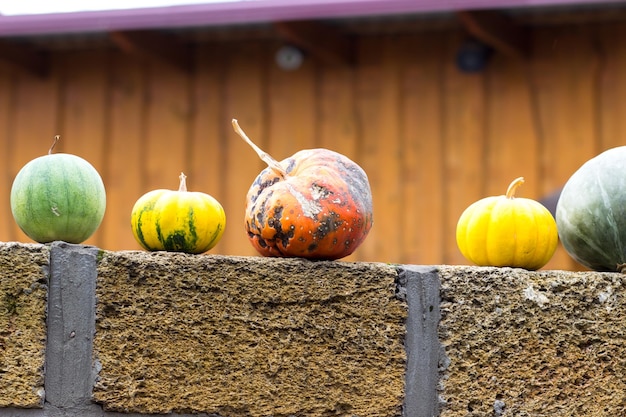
(23, 289)
(248, 336)
(519, 343)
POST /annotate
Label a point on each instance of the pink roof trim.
(244, 12)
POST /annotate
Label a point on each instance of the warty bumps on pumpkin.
(316, 204)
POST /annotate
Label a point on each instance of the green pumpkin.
(58, 197)
(591, 212)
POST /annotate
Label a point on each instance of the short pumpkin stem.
(56, 139)
(183, 183)
(265, 157)
(510, 192)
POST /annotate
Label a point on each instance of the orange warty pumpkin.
(316, 204)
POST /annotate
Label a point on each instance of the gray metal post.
(422, 343)
(69, 374)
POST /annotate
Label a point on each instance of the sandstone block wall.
(113, 334)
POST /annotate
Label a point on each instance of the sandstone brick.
(23, 290)
(248, 336)
(520, 343)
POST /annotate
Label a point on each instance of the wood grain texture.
(564, 75)
(465, 138)
(35, 122)
(610, 47)
(292, 105)
(245, 99)
(512, 141)
(337, 121)
(209, 125)
(422, 126)
(378, 95)
(125, 179)
(167, 124)
(7, 97)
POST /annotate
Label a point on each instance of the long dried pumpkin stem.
(510, 192)
(265, 157)
(56, 139)
(183, 183)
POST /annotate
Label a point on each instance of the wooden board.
(167, 126)
(210, 126)
(378, 101)
(564, 74)
(337, 122)
(124, 155)
(35, 122)
(292, 107)
(512, 141)
(244, 100)
(464, 138)
(611, 84)
(422, 119)
(7, 96)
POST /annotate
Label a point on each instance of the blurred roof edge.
(247, 11)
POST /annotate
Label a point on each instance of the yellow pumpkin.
(507, 231)
(178, 221)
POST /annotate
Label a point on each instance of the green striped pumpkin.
(58, 197)
(178, 221)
